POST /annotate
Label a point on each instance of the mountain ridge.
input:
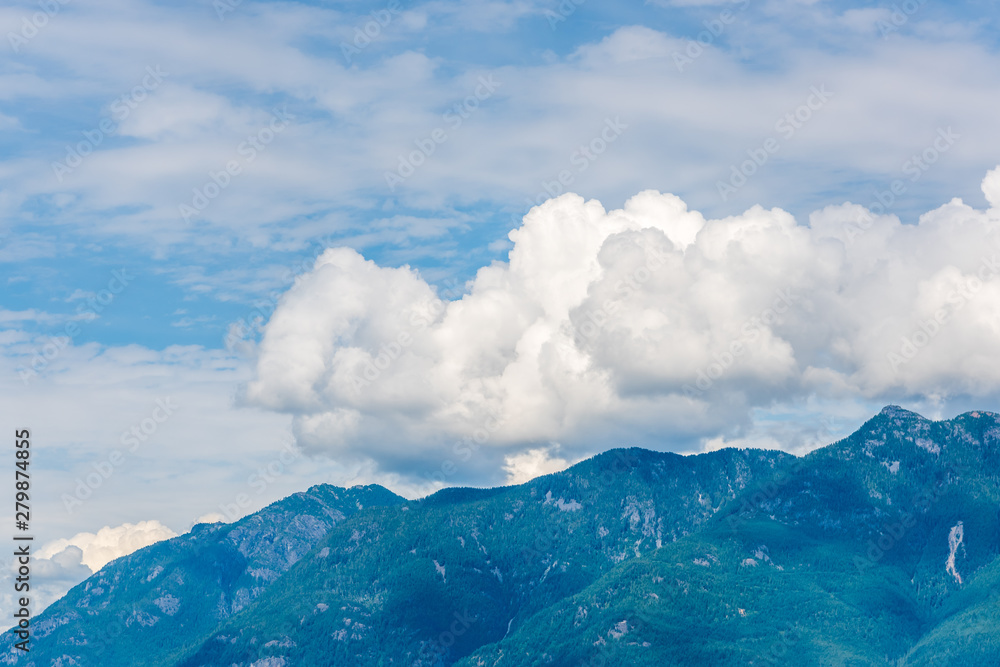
(889, 534)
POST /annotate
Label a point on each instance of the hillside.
(150, 606)
(880, 549)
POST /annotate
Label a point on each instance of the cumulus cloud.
(67, 564)
(649, 321)
(525, 466)
(98, 549)
(51, 578)
(60, 565)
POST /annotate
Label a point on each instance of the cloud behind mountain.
(650, 316)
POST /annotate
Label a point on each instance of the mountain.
(150, 607)
(434, 580)
(880, 549)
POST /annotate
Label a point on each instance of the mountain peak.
(976, 414)
(900, 413)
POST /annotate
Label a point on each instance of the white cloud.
(629, 44)
(30, 315)
(648, 316)
(527, 465)
(60, 565)
(685, 128)
(484, 15)
(180, 111)
(212, 517)
(865, 20)
(100, 548)
(51, 578)
(66, 563)
(991, 187)
(208, 450)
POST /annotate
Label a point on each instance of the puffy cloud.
(66, 564)
(648, 321)
(60, 565)
(51, 578)
(99, 549)
(527, 465)
(991, 187)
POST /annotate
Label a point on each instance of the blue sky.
(192, 273)
(229, 143)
